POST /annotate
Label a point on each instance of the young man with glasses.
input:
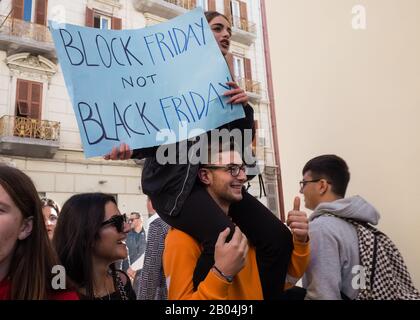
(235, 273)
(136, 244)
(334, 241)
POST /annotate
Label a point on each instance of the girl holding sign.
(183, 204)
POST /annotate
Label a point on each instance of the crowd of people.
(207, 237)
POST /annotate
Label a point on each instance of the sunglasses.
(117, 221)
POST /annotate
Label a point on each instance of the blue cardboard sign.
(133, 85)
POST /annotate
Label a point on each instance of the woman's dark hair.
(210, 15)
(76, 233)
(332, 168)
(46, 202)
(33, 259)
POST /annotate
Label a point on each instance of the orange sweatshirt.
(180, 258)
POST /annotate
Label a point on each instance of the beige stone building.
(38, 129)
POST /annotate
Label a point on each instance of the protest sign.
(132, 86)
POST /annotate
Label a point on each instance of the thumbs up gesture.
(298, 222)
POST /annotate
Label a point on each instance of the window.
(28, 99)
(236, 13)
(27, 10)
(31, 10)
(238, 67)
(101, 22)
(96, 19)
(202, 4)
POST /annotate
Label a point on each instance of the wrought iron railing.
(249, 85)
(24, 29)
(186, 4)
(29, 128)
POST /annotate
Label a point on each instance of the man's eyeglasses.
(303, 183)
(132, 219)
(234, 169)
(117, 221)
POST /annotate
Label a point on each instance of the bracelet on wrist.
(224, 276)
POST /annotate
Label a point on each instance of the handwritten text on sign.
(128, 86)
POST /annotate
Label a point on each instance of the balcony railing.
(167, 9)
(186, 4)
(244, 24)
(20, 32)
(249, 85)
(29, 128)
(243, 31)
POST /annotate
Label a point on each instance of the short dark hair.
(332, 168)
(136, 214)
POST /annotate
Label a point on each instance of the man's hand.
(230, 257)
(123, 152)
(236, 94)
(298, 222)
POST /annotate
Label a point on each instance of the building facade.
(38, 129)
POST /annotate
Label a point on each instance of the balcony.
(253, 89)
(18, 35)
(28, 137)
(167, 9)
(243, 31)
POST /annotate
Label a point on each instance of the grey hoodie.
(334, 248)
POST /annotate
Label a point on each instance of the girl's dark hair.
(210, 15)
(46, 202)
(76, 233)
(33, 259)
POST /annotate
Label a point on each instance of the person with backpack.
(350, 259)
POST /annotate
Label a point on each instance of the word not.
(140, 81)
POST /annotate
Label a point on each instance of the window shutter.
(89, 18)
(36, 100)
(248, 74)
(244, 16)
(211, 5)
(41, 12)
(116, 23)
(22, 98)
(228, 10)
(229, 61)
(18, 9)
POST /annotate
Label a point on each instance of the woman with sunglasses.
(26, 255)
(90, 237)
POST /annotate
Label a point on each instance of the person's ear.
(26, 228)
(323, 186)
(204, 176)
